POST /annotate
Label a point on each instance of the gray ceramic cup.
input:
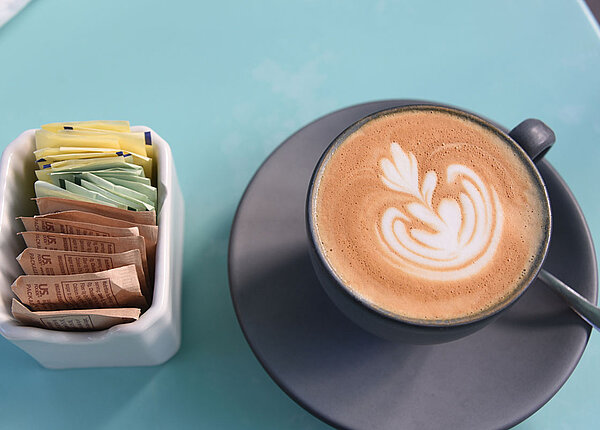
(531, 139)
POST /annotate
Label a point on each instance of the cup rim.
(490, 312)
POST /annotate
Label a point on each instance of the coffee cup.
(426, 222)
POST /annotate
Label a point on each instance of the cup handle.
(535, 137)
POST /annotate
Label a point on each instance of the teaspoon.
(576, 301)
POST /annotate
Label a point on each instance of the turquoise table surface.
(224, 83)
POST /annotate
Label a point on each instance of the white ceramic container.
(151, 340)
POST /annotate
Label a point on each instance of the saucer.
(349, 378)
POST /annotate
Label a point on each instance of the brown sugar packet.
(83, 243)
(55, 204)
(114, 288)
(72, 227)
(148, 232)
(49, 262)
(74, 320)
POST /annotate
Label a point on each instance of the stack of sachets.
(89, 261)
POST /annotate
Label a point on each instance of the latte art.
(430, 214)
(453, 240)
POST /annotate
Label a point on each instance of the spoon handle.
(577, 302)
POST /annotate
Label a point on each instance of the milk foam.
(462, 234)
(430, 215)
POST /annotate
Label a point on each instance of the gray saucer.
(347, 377)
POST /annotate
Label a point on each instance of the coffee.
(430, 214)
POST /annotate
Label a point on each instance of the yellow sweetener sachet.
(140, 160)
(122, 126)
(138, 142)
(49, 159)
(130, 142)
(49, 139)
(41, 153)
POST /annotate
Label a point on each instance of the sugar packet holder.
(155, 336)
